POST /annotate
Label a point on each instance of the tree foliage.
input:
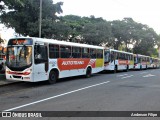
(97, 33)
(10, 4)
(126, 34)
(24, 13)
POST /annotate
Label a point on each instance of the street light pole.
(40, 18)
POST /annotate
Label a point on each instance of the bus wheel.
(115, 69)
(88, 72)
(141, 67)
(146, 67)
(127, 69)
(53, 76)
(1, 67)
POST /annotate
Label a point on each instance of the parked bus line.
(39, 59)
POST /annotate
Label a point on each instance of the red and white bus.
(154, 62)
(36, 59)
(2, 58)
(141, 62)
(118, 60)
(2, 62)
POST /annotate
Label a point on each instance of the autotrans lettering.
(72, 62)
(123, 62)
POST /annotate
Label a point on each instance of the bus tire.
(115, 69)
(146, 67)
(88, 72)
(140, 67)
(1, 67)
(127, 69)
(53, 76)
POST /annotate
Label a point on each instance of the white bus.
(2, 62)
(2, 58)
(141, 62)
(154, 62)
(118, 60)
(37, 59)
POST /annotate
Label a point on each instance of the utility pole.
(40, 19)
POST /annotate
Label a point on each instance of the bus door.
(41, 62)
(107, 57)
(113, 58)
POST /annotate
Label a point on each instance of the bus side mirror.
(4, 50)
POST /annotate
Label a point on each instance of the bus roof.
(141, 55)
(53, 41)
(119, 51)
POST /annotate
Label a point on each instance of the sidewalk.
(3, 80)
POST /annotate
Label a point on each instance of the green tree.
(22, 16)
(158, 42)
(128, 32)
(146, 41)
(117, 32)
(97, 33)
(75, 24)
(8, 4)
(124, 32)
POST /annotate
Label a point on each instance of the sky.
(142, 11)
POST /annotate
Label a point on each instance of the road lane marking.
(143, 72)
(127, 77)
(149, 75)
(122, 75)
(32, 103)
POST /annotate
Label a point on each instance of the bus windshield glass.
(19, 57)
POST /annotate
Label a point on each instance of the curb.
(2, 77)
(8, 83)
(4, 82)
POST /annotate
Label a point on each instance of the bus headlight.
(27, 72)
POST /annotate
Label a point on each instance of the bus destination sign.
(20, 42)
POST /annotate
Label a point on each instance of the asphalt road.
(123, 91)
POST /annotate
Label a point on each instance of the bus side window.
(107, 56)
(112, 56)
(139, 59)
(120, 55)
(99, 53)
(76, 52)
(41, 55)
(85, 53)
(93, 53)
(53, 51)
(65, 51)
(117, 55)
(127, 57)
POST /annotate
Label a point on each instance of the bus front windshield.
(19, 57)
